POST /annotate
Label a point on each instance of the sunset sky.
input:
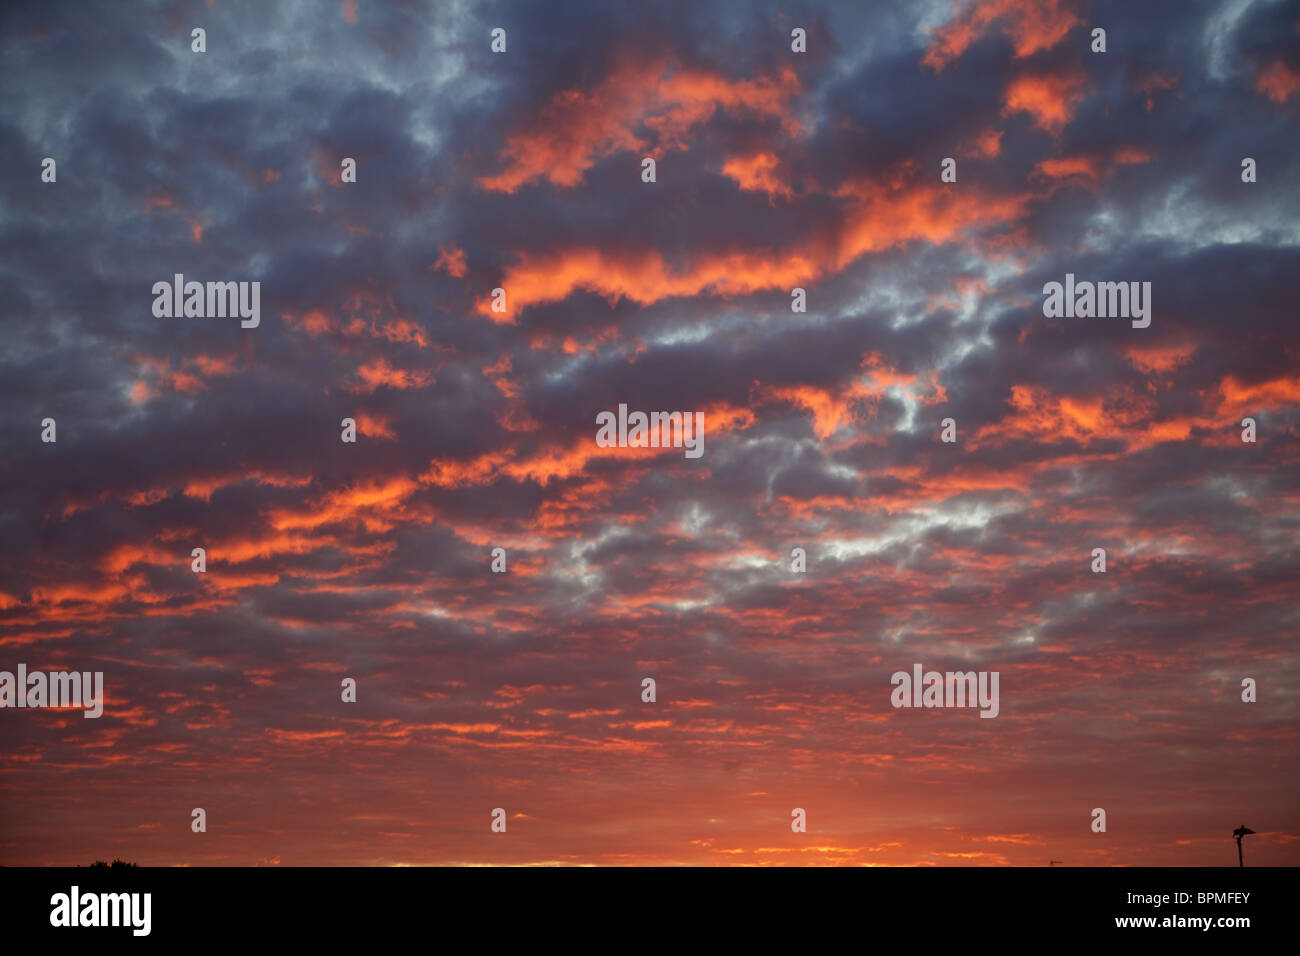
(476, 430)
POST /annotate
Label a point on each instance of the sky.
(476, 429)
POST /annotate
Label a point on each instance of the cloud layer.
(775, 170)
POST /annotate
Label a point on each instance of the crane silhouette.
(1054, 862)
(1240, 832)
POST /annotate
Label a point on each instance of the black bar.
(325, 905)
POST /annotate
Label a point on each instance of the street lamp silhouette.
(1240, 832)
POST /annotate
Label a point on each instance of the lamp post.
(1240, 832)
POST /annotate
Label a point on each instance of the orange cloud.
(1092, 167)
(212, 365)
(496, 374)
(403, 330)
(378, 373)
(1274, 393)
(1040, 414)
(1131, 156)
(879, 216)
(1159, 359)
(577, 127)
(1152, 83)
(1125, 416)
(892, 216)
(188, 381)
(202, 488)
(162, 200)
(1278, 81)
(644, 278)
(451, 260)
(366, 314)
(315, 322)
(829, 410)
(1033, 25)
(834, 408)
(375, 426)
(1066, 167)
(757, 173)
(558, 461)
(373, 503)
(126, 555)
(987, 143)
(1050, 98)
(459, 474)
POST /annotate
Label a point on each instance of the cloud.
(373, 560)
(1050, 98)
(1033, 25)
(641, 107)
(1278, 81)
